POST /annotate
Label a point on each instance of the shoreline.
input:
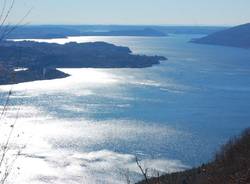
(42, 59)
(17, 77)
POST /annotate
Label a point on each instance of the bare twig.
(144, 172)
(3, 10)
(6, 145)
(6, 104)
(7, 13)
(158, 178)
(9, 29)
(6, 10)
(127, 177)
(7, 158)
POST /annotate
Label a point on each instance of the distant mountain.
(63, 31)
(42, 32)
(48, 32)
(203, 30)
(129, 32)
(235, 37)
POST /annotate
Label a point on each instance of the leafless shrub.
(8, 158)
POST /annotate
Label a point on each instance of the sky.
(134, 12)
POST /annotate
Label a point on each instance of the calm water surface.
(89, 127)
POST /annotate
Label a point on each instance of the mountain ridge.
(238, 36)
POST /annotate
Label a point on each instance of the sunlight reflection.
(86, 78)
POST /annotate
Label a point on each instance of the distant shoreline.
(63, 31)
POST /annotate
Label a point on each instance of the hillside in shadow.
(230, 166)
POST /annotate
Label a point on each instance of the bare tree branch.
(7, 14)
(144, 172)
(7, 158)
(3, 10)
(9, 29)
(6, 104)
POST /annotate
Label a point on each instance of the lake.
(89, 127)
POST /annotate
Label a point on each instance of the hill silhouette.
(238, 36)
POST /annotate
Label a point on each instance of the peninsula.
(28, 61)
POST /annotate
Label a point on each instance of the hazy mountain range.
(62, 31)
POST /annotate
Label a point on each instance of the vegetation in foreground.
(230, 166)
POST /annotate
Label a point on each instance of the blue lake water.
(172, 116)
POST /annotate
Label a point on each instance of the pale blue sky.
(150, 12)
